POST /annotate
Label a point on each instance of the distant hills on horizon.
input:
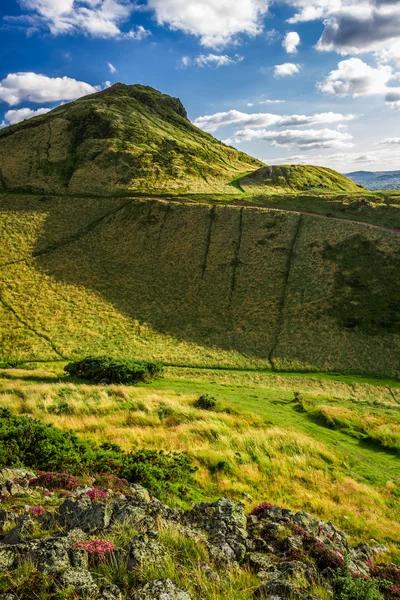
(376, 180)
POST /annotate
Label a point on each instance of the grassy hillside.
(321, 451)
(126, 138)
(295, 178)
(197, 284)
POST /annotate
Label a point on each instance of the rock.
(126, 514)
(8, 556)
(378, 549)
(277, 589)
(225, 524)
(109, 592)
(140, 492)
(81, 513)
(53, 555)
(80, 581)
(259, 562)
(306, 521)
(144, 549)
(18, 533)
(209, 573)
(162, 589)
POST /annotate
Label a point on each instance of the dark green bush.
(25, 442)
(114, 370)
(159, 471)
(349, 587)
(206, 402)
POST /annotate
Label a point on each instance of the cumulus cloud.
(12, 117)
(354, 26)
(98, 18)
(211, 60)
(235, 117)
(306, 139)
(33, 87)
(353, 77)
(214, 23)
(291, 42)
(286, 70)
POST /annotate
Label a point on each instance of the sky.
(287, 81)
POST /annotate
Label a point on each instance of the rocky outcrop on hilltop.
(108, 545)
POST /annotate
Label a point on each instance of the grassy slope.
(194, 284)
(126, 138)
(295, 178)
(257, 442)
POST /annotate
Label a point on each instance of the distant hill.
(376, 180)
(296, 178)
(123, 139)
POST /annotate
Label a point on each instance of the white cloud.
(17, 87)
(111, 67)
(12, 117)
(306, 139)
(214, 23)
(390, 141)
(211, 60)
(291, 42)
(286, 70)
(98, 18)
(271, 101)
(354, 26)
(139, 33)
(353, 77)
(235, 117)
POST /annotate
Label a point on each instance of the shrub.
(262, 510)
(55, 481)
(25, 442)
(114, 370)
(206, 402)
(388, 577)
(159, 471)
(348, 587)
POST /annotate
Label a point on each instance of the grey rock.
(162, 589)
(8, 556)
(225, 524)
(110, 592)
(81, 513)
(80, 581)
(53, 555)
(144, 549)
(277, 589)
(306, 521)
(259, 562)
(209, 573)
(17, 535)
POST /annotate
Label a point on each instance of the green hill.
(123, 139)
(88, 267)
(296, 178)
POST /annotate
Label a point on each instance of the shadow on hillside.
(214, 276)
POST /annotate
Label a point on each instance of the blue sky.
(301, 81)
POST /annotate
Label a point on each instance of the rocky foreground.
(291, 554)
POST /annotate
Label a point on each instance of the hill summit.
(127, 138)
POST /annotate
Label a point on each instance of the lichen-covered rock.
(83, 514)
(8, 556)
(225, 525)
(144, 549)
(162, 589)
(54, 555)
(109, 592)
(277, 589)
(80, 581)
